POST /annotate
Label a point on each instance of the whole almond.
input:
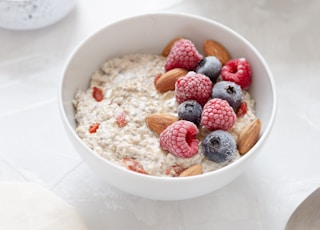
(249, 136)
(167, 80)
(192, 171)
(214, 48)
(158, 122)
(167, 48)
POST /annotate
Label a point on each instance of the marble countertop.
(35, 148)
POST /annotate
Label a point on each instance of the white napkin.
(29, 206)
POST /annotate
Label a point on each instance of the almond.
(158, 122)
(214, 48)
(168, 80)
(249, 136)
(167, 48)
(192, 171)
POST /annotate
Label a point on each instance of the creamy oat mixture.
(128, 86)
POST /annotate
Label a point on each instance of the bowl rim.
(228, 167)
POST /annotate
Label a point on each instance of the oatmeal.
(115, 127)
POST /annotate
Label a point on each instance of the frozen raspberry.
(238, 71)
(183, 54)
(193, 86)
(180, 139)
(218, 114)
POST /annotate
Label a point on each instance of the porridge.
(111, 117)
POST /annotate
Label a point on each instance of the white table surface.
(34, 146)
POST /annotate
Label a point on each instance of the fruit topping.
(214, 48)
(219, 146)
(209, 66)
(93, 128)
(190, 111)
(193, 86)
(229, 91)
(97, 93)
(121, 119)
(242, 110)
(218, 114)
(183, 54)
(204, 102)
(133, 165)
(167, 48)
(238, 71)
(180, 139)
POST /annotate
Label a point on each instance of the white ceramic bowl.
(150, 33)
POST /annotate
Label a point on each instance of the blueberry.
(229, 91)
(190, 111)
(209, 66)
(219, 146)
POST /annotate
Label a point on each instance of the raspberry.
(183, 54)
(238, 71)
(193, 86)
(218, 114)
(180, 139)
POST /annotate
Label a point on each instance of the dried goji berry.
(97, 93)
(93, 128)
(121, 119)
(242, 110)
(134, 165)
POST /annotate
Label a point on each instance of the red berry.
(157, 78)
(183, 54)
(218, 114)
(97, 93)
(238, 71)
(121, 119)
(193, 86)
(133, 165)
(93, 128)
(242, 110)
(180, 139)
